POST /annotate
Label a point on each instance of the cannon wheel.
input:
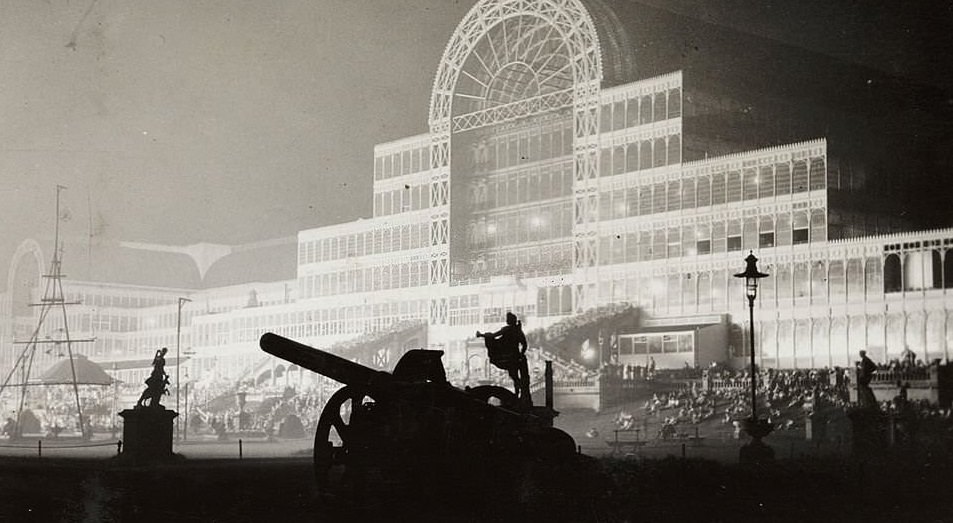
(496, 395)
(326, 454)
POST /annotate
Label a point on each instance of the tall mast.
(53, 296)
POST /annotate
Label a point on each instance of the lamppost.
(756, 428)
(178, 361)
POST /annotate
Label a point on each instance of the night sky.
(235, 121)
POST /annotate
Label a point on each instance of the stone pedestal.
(147, 433)
(869, 431)
(756, 451)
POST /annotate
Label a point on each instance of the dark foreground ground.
(886, 489)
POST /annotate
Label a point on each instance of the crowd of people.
(787, 397)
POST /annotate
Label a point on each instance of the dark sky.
(232, 121)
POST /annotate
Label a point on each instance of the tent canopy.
(87, 373)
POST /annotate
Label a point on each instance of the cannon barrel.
(324, 363)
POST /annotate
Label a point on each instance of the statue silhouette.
(157, 382)
(507, 350)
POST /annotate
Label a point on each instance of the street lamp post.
(178, 361)
(756, 428)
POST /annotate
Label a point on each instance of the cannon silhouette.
(413, 422)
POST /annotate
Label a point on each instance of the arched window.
(718, 296)
(718, 189)
(618, 115)
(749, 240)
(800, 233)
(818, 225)
(895, 338)
(937, 264)
(818, 174)
(750, 184)
(688, 292)
(892, 276)
(873, 277)
(605, 118)
(782, 179)
(632, 157)
(659, 197)
(785, 343)
(703, 191)
(661, 111)
(799, 182)
(674, 149)
(605, 161)
(802, 344)
(765, 232)
(734, 235)
(659, 152)
(704, 291)
(674, 103)
(688, 193)
(632, 112)
(645, 154)
(802, 280)
(618, 159)
(645, 108)
(836, 280)
(766, 182)
(674, 196)
(948, 270)
(820, 342)
(818, 282)
(855, 280)
(566, 303)
(734, 187)
(783, 229)
(645, 200)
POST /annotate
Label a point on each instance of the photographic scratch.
(72, 41)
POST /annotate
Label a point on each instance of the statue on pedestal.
(157, 383)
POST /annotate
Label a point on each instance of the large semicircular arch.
(569, 17)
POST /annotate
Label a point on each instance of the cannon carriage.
(413, 422)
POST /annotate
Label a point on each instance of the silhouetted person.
(156, 382)
(865, 373)
(507, 350)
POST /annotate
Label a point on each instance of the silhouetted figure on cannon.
(157, 383)
(507, 350)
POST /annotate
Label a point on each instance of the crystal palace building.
(583, 153)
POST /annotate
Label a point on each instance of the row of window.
(524, 186)
(718, 236)
(834, 342)
(537, 260)
(639, 110)
(358, 319)
(554, 301)
(495, 152)
(368, 279)
(719, 290)
(656, 344)
(539, 223)
(735, 186)
(408, 198)
(399, 164)
(474, 315)
(640, 155)
(124, 302)
(379, 241)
